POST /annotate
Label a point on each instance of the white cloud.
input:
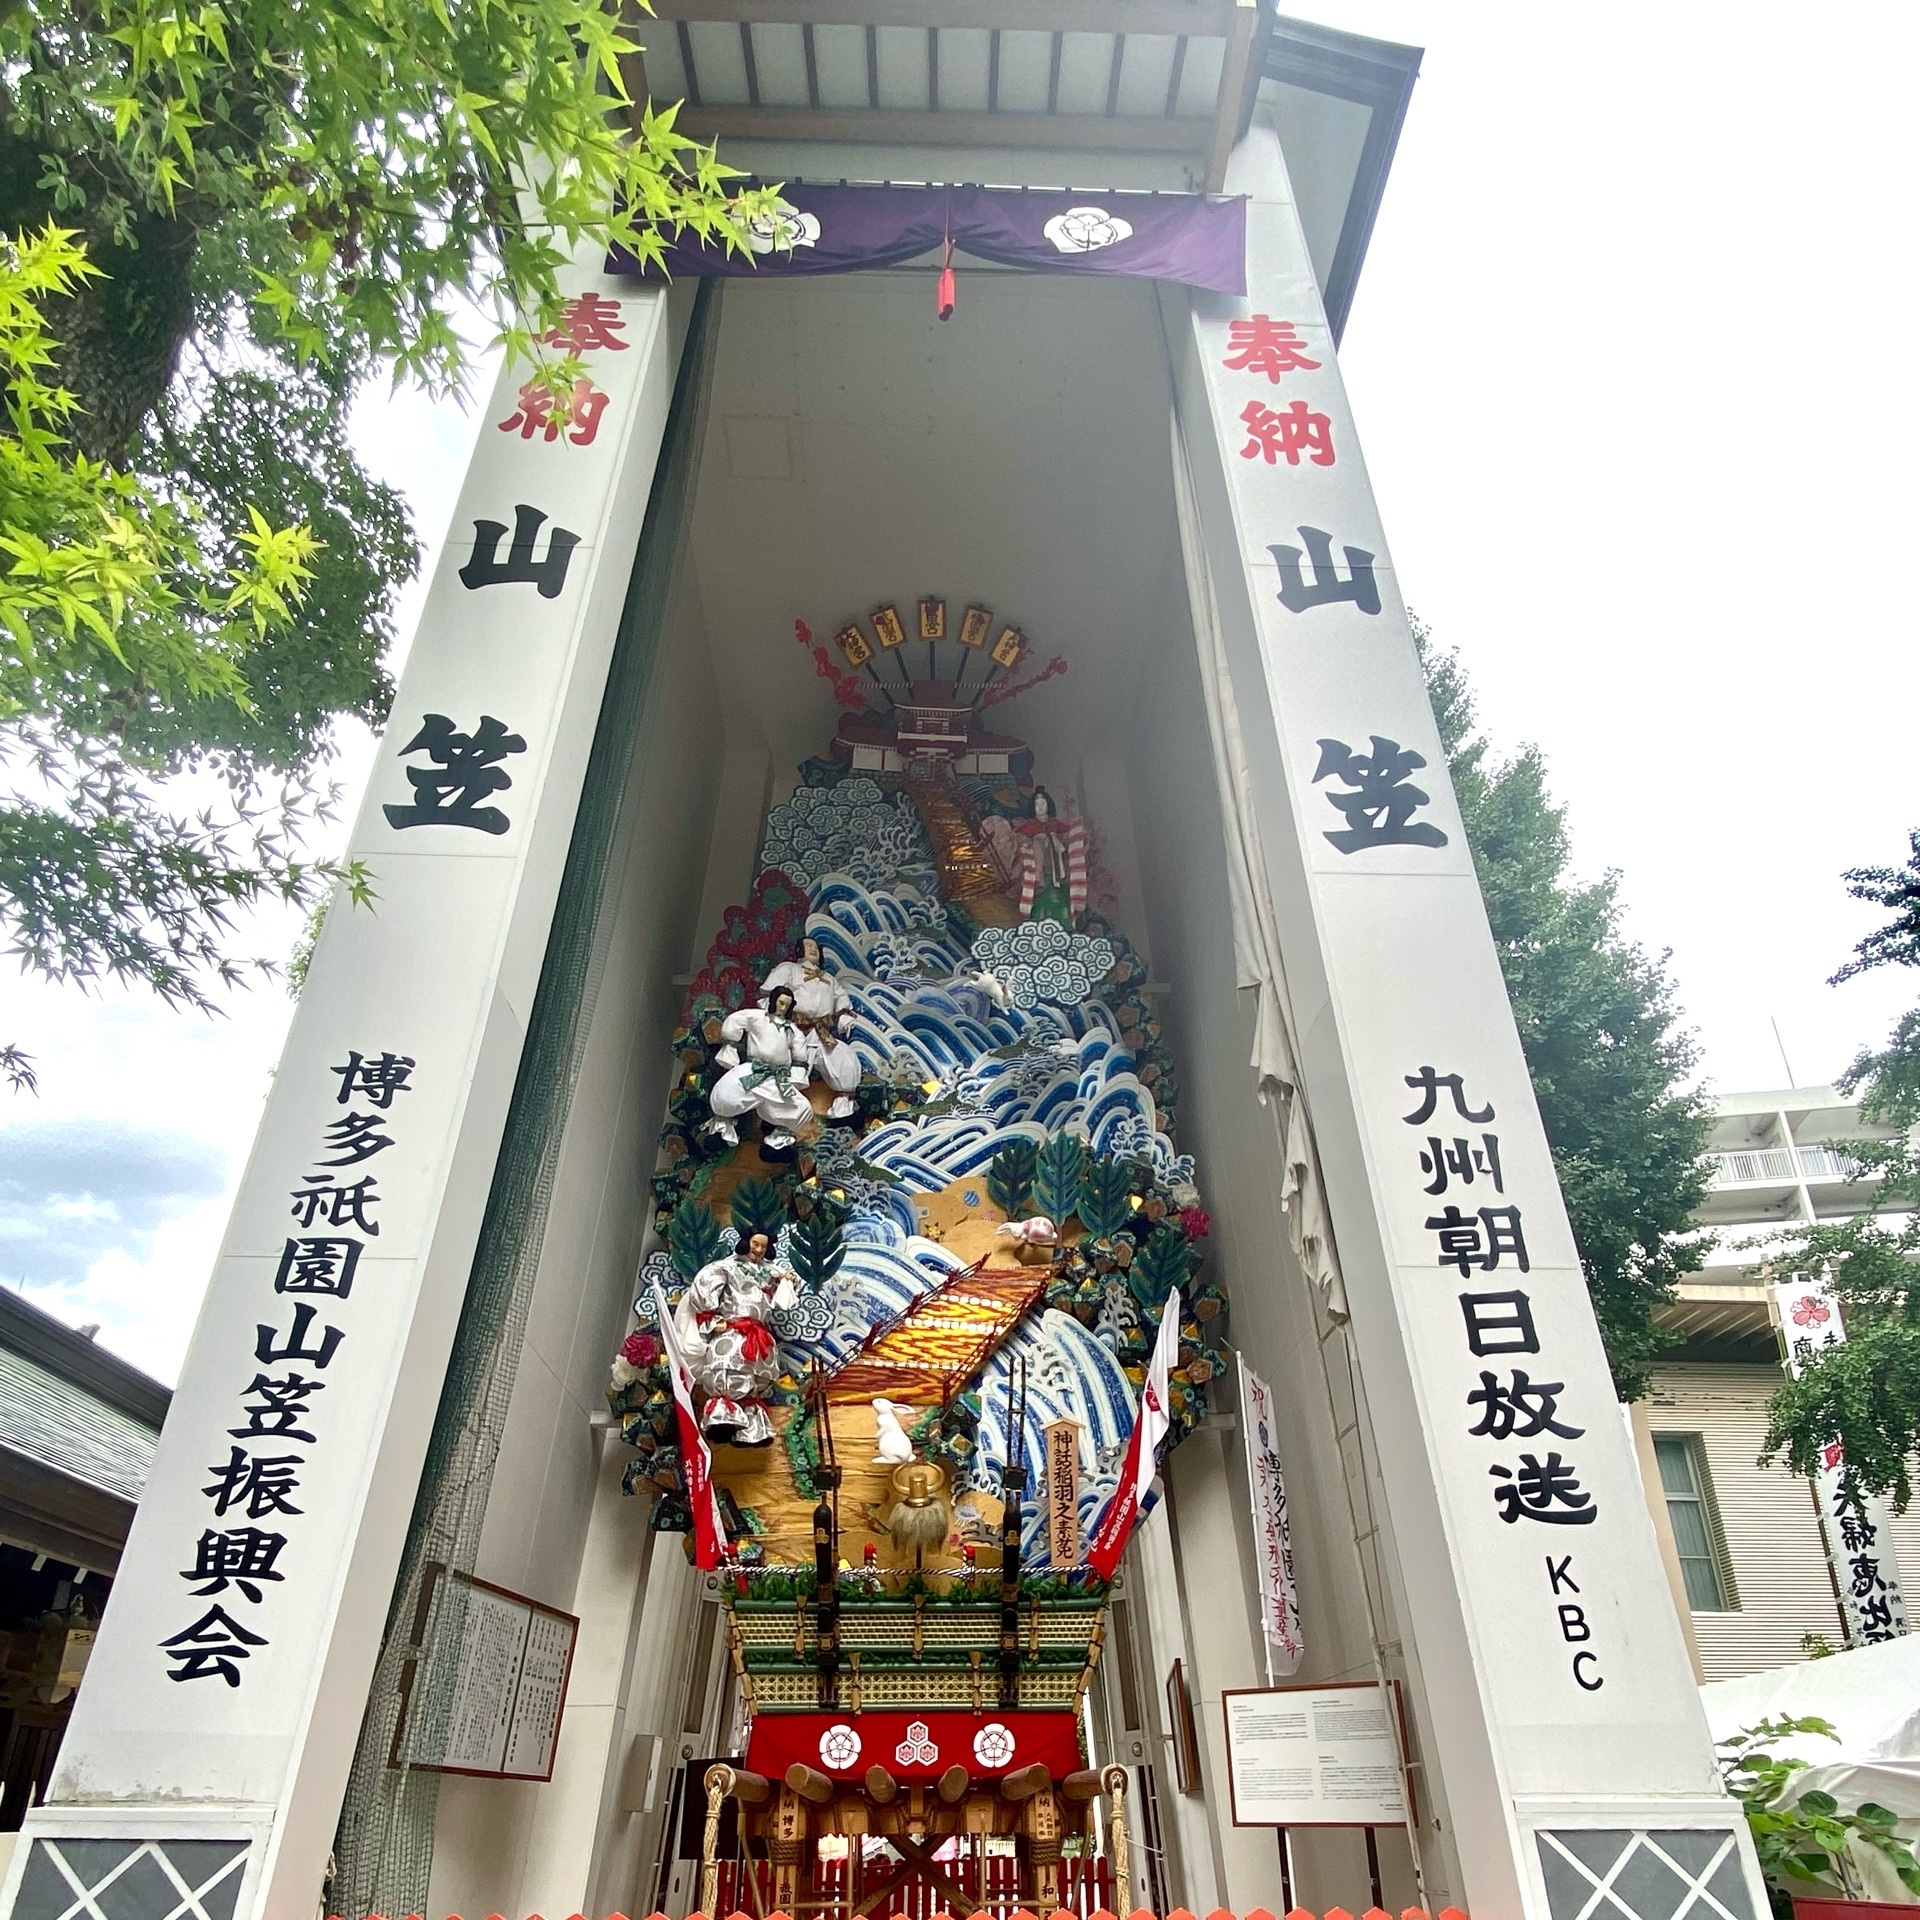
(145, 1303)
(1630, 363)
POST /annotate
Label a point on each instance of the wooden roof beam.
(1237, 79)
(890, 127)
(1200, 19)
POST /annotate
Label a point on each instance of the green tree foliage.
(693, 1238)
(1057, 1174)
(1010, 1177)
(819, 1245)
(1600, 1027)
(1162, 1263)
(217, 217)
(1866, 1391)
(1807, 1839)
(121, 612)
(343, 179)
(755, 1207)
(1104, 1195)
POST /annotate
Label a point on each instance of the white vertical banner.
(1272, 1530)
(1554, 1697)
(232, 1670)
(1856, 1526)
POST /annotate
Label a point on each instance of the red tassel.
(943, 304)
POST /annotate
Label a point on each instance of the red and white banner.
(696, 1463)
(1149, 1429)
(1856, 1526)
(916, 1746)
(1272, 1529)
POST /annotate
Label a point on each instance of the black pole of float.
(1013, 1485)
(993, 673)
(826, 1549)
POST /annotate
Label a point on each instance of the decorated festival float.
(854, 1005)
(926, 1249)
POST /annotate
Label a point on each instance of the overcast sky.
(1633, 362)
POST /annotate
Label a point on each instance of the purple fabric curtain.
(1197, 240)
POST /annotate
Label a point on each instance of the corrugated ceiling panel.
(1024, 59)
(1144, 72)
(780, 59)
(666, 78)
(840, 60)
(720, 62)
(964, 54)
(1200, 78)
(780, 62)
(903, 67)
(1086, 61)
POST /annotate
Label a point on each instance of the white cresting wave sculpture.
(1022, 1071)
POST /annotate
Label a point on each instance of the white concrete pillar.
(208, 1753)
(1560, 1706)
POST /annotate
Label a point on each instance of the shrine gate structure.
(1167, 980)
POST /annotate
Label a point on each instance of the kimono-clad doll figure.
(766, 1060)
(1043, 858)
(823, 1012)
(729, 1347)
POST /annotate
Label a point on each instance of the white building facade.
(1753, 1565)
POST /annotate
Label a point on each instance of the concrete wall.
(492, 1836)
(1276, 1320)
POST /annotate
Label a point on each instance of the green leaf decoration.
(817, 1249)
(1104, 1193)
(755, 1207)
(1809, 1840)
(693, 1238)
(1160, 1264)
(1057, 1175)
(1010, 1177)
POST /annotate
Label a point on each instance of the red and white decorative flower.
(993, 1746)
(1810, 1312)
(839, 1747)
(917, 1749)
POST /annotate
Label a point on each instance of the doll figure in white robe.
(722, 1323)
(766, 1060)
(822, 1010)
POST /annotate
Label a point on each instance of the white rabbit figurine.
(893, 1448)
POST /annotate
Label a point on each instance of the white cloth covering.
(826, 1012)
(1258, 967)
(1871, 1698)
(770, 1080)
(720, 1329)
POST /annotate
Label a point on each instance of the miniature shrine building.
(910, 1266)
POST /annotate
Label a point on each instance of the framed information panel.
(1325, 1756)
(501, 1663)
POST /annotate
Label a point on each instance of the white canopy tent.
(1871, 1698)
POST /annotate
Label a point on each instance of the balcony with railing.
(1778, 1166)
